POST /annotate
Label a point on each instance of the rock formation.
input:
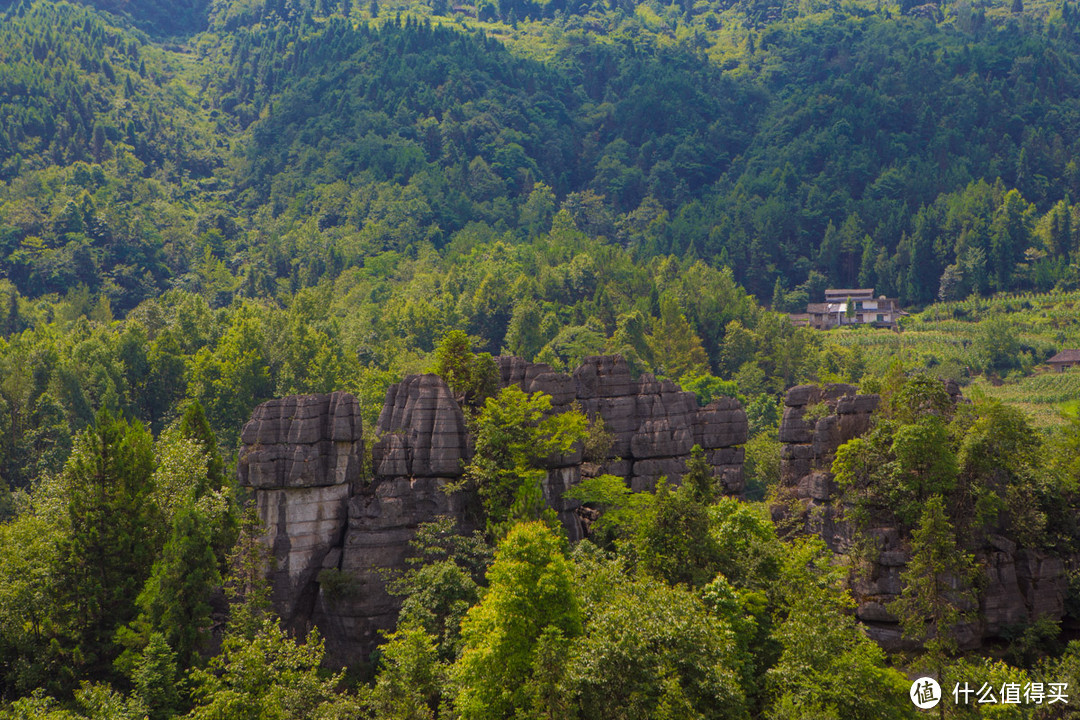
(422, 446)
(653, 422)
(337, 536)
(815, 423)
(336, 539)
(1020, 585)
(302, 455)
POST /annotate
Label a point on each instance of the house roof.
(1066, 356)
(812, 308)
(853, 292)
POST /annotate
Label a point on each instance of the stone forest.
(302, 456)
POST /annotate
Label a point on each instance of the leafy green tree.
(748, 549)
(472, 378)
(29, 559)
(443, 581)
(411, 678)
(921, 394)
(996, 345)
(181, 473)
(675, 346)
(269, 677)
(907, 457)
(538, 210)
(699, 477)
(515, 434)
(230, 380)
(828, 667)
(530, 603)
(762, 466)
(523, 337)
(247, 586)
(631, 341)
(667, 532)
(622, 512)
(166, 379)
(709, 388)
(999, 458)
(653, 651)
(194, 425)
(674, 542)
(925, 464)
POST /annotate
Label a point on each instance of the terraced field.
(996, 346)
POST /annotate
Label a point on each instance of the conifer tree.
(113, 536)
(195, 426)
(176, 599)
(156, 680)
(937, 594)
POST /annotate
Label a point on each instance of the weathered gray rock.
(1043, 581)
(383, 518)
(604, 376)
(811, 439)
(816, 486)
(802, 395)
(647, 473)
(857, 404)
(421, 431)
(302, 441)
(554, 487)
(874, 612)
(302, 456)
(303, 527)
(536, 377)
(720, 424)
(793, 428)
(1018, 585)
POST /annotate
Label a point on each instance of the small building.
(1064, 360)
(851, 306)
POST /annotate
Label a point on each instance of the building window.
(880, 318)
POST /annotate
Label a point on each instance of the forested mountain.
(206, 205)
(849, 147)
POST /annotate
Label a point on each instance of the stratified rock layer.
(653, 422)
(337, 540)
(1020, 585)
(422, 446)
(302, 456)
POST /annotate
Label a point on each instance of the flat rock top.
(305, 419)
(302, 441)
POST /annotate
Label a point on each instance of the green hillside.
(206, 205)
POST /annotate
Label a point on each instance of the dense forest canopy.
(206, 205)
(843, 148)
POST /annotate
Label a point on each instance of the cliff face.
(422, 445)
(1020, 585)
(302, 456)
(337, 539)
